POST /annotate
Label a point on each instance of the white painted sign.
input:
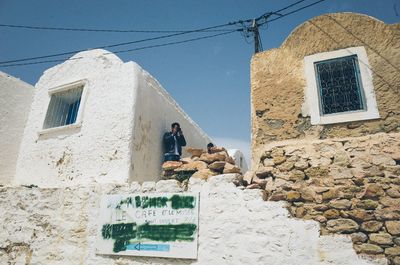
(156, 225)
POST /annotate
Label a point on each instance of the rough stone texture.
(278, 79)
(59, 226)
(350, 194)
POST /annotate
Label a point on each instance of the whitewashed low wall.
(15, 103)
(59, 226)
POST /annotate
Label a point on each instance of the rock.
(210, 158)
(394, 251)
(253, 186)
(340, 204)
(332, 214)
(373, 191)
(368, 249)
(230, 160)
(203, 174)
(371, 226)
(341, 158)
(296, 175)
(396, 261)
(186, 160)
(195, 165)
(388, 213)
(317, 172)
(293, 196)
(390, 202)
(264, 172)
(383, 160)
(359, 237)
(330, 194)
(301, 165)
(360, 215)
(300, 212)
(279, 159)
(367, 204)
(397, 241)
(217, 166)
(261, 182)
(393, 192)
(216, 149)
(171, 165)
(342, 225)
(381, 238)
(393, 227)
(248, 177)
(229, 168)
(195, 151)
(286, 166)
(320, 218)
(308, 194)
(277, 196)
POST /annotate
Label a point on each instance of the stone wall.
(279, 107)
(59, 226)
(349, 185)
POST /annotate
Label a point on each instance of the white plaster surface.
(15, 103)
(119, 138)
(59, 226)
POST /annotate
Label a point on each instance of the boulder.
(367, 204)
(203, 174)
(381, 238)
(340, 204)
(279, 159)
(360, 215)
(371, 226)
(359, 237)
(296, 175)
(393, 227)
(217, 166)
(264, 172)
(368, 249)
(216, 149)
(230, 160)
(293, 196)
(195, 151)
(331, 214)
(229, 168)
(171, 165)
(195, 165)
(330, 194)
(210, 158)
(394, 251)
(393, 192)
(373, 191)
(342, 225)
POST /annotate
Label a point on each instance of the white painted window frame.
(312, 93)
(78, 122)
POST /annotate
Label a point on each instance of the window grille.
(63, 108)
(339, 85)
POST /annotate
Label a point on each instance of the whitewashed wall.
(124, 116)
(15, 103)
(155, 111)
(59, 226)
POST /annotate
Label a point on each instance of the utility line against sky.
(265, 18)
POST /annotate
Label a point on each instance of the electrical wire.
(102, 30)
(119, 44)
(128, 50)
(294, 11)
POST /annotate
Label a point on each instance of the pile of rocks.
(200, 164)
(349, 186)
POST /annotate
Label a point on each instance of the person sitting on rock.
(173, 142)
(209, 146)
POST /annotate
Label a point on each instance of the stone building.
(94, 118)
(325, 128)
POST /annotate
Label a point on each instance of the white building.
(15, 101)
(95, 118)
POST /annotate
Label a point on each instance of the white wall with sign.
(156, 225)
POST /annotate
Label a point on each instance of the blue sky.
(209, 78)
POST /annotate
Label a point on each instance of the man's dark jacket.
(169, 143)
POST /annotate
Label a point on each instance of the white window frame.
(78, 122)
(312, 90)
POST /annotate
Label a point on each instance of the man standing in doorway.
(173, 142)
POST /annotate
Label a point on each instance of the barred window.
(63, 108)
(339, 85)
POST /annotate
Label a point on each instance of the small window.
(63, 108)
(339, 87)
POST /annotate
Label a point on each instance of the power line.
(102, 30)
(294, 11)
(120, 44)
(128, 50)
